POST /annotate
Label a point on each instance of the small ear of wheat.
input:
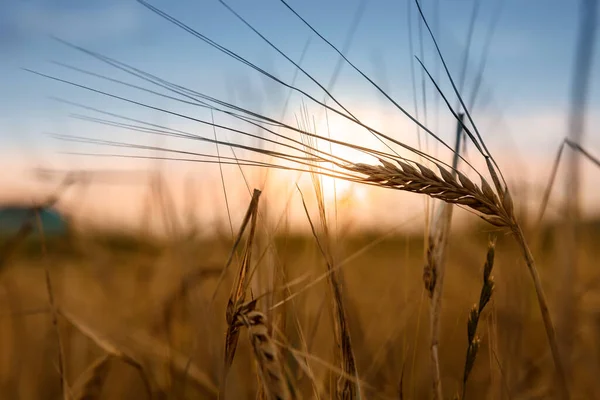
(484, 297)
(462, 191)
(430, 270)
(270, 370)
(238, 290)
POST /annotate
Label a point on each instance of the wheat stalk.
(238, 290)
(433, 277)
(111, 349)
(270, 370)
(344, 388)
(26, 228)
(66, 391)
(568, 274)
(474, 315)
(435, 269)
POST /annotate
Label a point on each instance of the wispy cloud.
(84, 21)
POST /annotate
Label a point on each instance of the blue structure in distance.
(13, 217)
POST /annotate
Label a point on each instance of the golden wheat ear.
(266, 354)
(238, 290)
(422, 180)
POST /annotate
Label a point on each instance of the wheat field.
(124, 300)
(262, 304)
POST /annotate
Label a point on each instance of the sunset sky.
(522, 106)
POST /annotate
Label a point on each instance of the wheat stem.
(54, 313)
(543, 304)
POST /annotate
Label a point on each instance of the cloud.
(79, 21)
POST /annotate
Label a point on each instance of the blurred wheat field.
(312, 289)
(151, 302)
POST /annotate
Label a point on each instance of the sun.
(336, 189)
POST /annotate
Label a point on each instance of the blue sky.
(529, 66)
(524, 97)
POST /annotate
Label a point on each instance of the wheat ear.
(496, 209)
(270, 371)
(461, 191)
(484, 297)
(237, 296)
